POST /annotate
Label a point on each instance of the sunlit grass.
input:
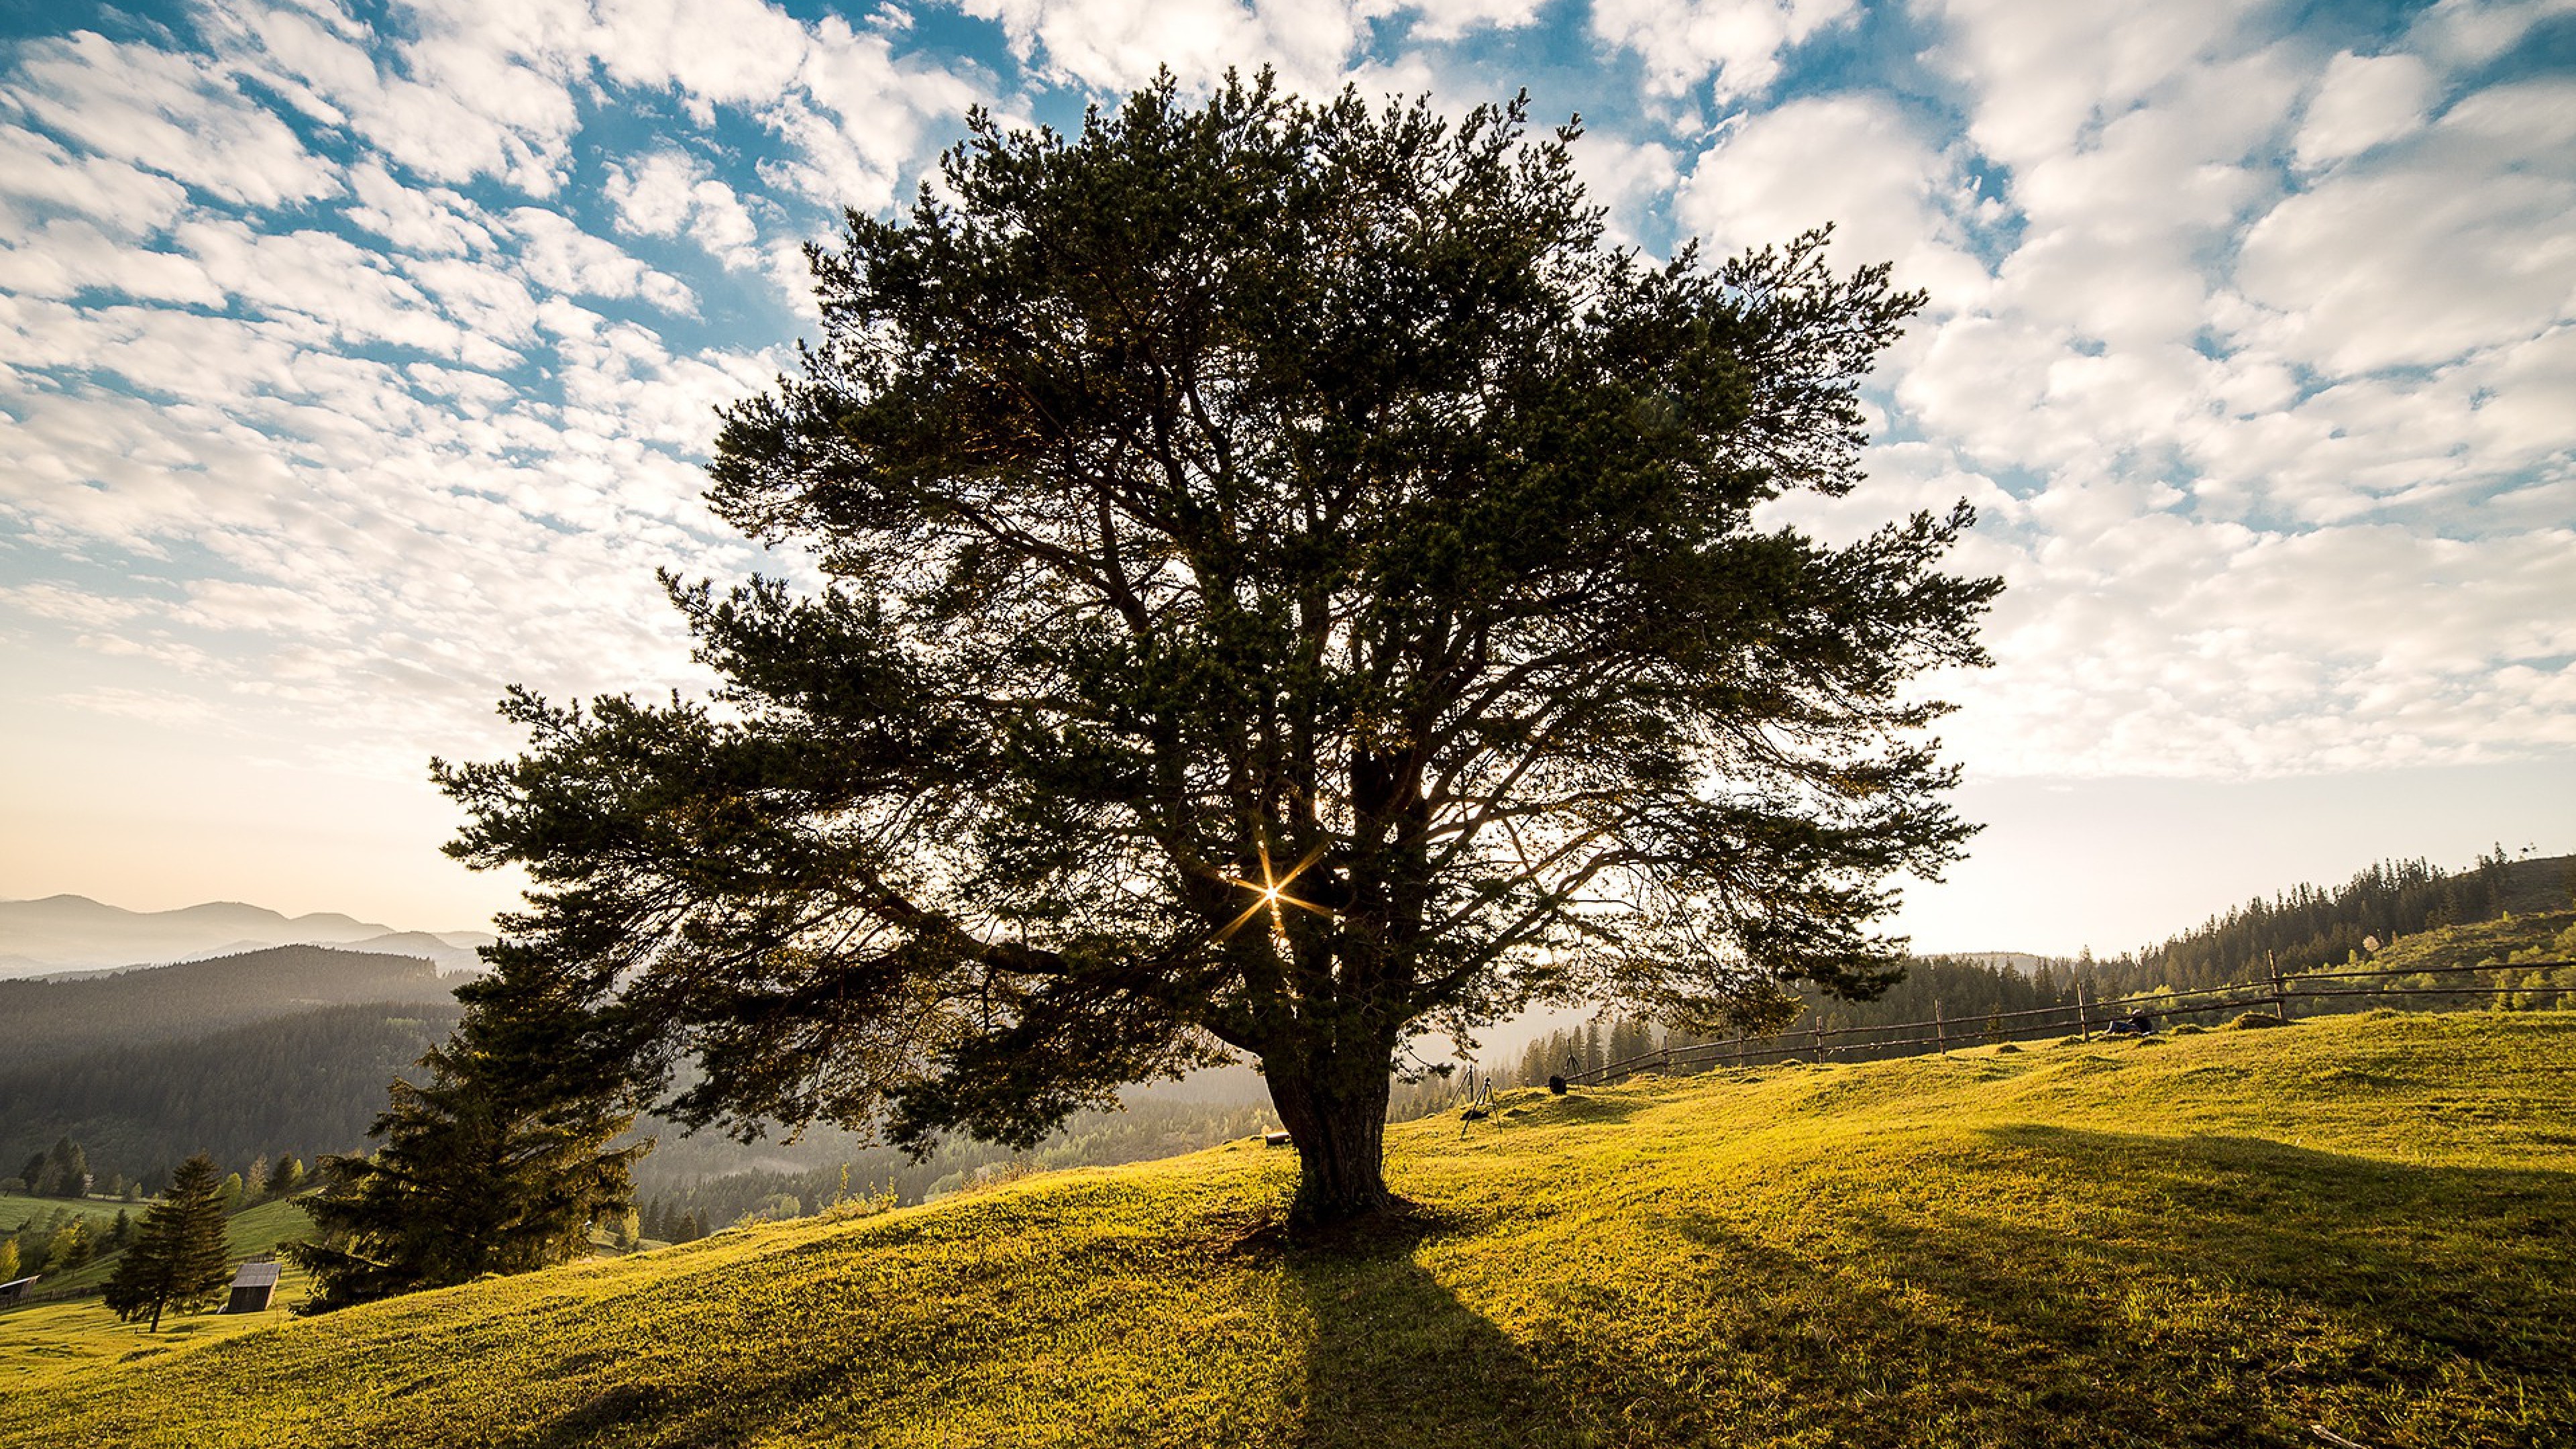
(2364, 1223)
(42, 1342)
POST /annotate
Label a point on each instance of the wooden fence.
(2083, 1017)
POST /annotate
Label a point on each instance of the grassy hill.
(2366, 1223)
(42, 1343)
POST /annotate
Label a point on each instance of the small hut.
(253, 1286)
(16, 1288)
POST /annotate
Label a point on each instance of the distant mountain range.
(68, 933)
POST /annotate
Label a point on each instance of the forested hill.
(51, 1020)
(305, 1084)
(2311, 926)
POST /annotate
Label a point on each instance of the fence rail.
(2085, 1017)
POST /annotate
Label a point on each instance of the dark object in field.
(1556, 1086)
(253, 1286)
(1474, 1114)
(1275, 1138)
(2137, 1024)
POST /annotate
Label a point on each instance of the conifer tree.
(178, 1257)
(498, 1162)
(8, 1258)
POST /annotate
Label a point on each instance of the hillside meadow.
(42, 1342)
(2362, 1223)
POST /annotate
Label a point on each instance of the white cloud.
(166, 113)
(1737, 44)
(1119, 44)
(2364, 101)
(2467, 33)
(2453, 242)
(1851, 160)
(419, 220)
(561, 256)
(1624, 176)
(2286, 449)
(1453, 19)
(2043, 75)
(38, 178)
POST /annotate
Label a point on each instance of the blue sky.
(358, 361)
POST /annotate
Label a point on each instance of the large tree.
(179, 1258)
(1287, 582)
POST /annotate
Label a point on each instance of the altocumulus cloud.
(361, 359)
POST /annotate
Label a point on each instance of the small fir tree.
(285, 1177)
(178, 1258)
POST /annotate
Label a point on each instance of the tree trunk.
(1336, 1116)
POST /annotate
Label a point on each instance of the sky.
(359, 361)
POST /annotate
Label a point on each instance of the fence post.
(2280, 996)
(2083, 1020)
(1940, 1034)
(1820, 1039)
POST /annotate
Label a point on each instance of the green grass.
(2367, 1223)
(17, 1208)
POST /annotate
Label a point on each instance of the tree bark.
(1336, 1117)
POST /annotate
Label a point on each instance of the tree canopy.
(1287, 582)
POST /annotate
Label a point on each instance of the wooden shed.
(253, 1286)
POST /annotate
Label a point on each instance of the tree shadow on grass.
(2221, 1291)
(1396, 1359)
